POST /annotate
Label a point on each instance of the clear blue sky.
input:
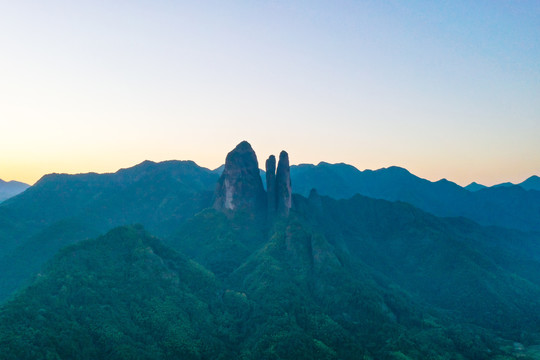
(447, 89)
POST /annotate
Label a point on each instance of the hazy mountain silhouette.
(532, 183)
(504, 184)
(474, 186)
(507, 206)
(11, 188)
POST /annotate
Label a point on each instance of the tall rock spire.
(283, 185)
(240, 186)
(271, 185)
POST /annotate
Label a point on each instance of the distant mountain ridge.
(531, 183)
(507, 206)
(66, 195)
(9, 189)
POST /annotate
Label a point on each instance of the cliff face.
(283, 185)
(278, 185)
(240, 186)
(271, 185)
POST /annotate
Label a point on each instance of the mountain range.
(513, 206)
(62, 209)
(238, 271)
(508, 205)
(531, 183)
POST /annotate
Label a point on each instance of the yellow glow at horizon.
(29, 166)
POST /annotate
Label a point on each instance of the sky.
(446, 89)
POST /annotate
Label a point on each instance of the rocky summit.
(240, 186)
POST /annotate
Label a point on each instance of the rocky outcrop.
(240, 186)
(283, 185)
(271, 185)
(278, 185)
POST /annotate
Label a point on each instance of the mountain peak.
(397, 170)
(532, 183)
(243, 146)
(240, 185)
(474, 186)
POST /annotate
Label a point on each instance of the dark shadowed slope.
(488, 276)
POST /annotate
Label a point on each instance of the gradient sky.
(446, 89)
